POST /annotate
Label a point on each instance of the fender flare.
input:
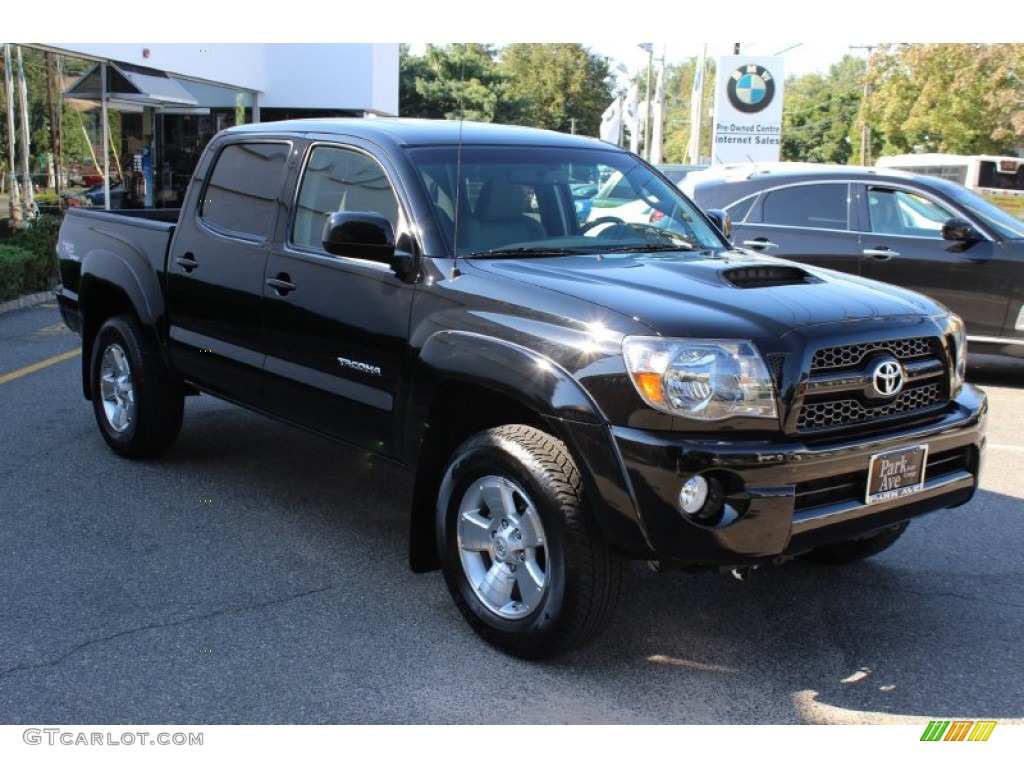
(520, 373)
(105, 272)
(540, 385)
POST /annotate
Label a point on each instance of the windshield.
(495, 201)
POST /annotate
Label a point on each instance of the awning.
(129, 83)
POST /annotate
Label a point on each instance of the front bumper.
(788, 497)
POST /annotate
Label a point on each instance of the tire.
(856, 549)
(525, 562)
(139, 413)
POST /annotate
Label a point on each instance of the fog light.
(693, 495)
(702, 500)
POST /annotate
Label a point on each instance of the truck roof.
(409, 131)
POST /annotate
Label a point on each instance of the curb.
(23, 302)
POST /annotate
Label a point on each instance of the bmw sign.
(748, 110)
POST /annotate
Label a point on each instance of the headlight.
(702, 379)
(958, 365)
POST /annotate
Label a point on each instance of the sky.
(682, 25)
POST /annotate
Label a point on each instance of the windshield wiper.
(509, 253)
(649, 248)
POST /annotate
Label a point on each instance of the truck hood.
(731, 295)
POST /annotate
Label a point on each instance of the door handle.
(759, 243)
(881, 254)
(281, 284)
(187, 262)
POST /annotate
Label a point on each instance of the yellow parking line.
(38, 366)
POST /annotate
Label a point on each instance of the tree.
(819, 114)
(452, 82)
(964, 98)
(560, 86)
(75, 148)
(678, 108)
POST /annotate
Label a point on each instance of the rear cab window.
(242, 194)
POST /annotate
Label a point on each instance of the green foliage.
(16, 264)
(678, 109)
(558, 86)
(819, 114)
(451, 82)
(965, 98)
(75, 148)
(28, 259)
(548, 86)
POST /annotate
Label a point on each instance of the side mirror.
(722, 220)
(365, 235)
(959, 231)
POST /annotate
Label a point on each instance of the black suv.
(914, 231)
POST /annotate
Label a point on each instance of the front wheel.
(856, 549)
(525, 562)
(139, 413)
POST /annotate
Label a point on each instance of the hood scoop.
(768, 276)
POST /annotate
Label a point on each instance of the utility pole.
(27, 202)
(649, 47)
(53, 83)
(12, 188)
(865, 129)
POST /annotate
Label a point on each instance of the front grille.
(834, 413)
(852, 355)
(838, 387)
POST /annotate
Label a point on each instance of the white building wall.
(361, 76)
(317, 75)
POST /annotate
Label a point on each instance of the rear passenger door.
(808, 222)
(216, 264)
(336, 327)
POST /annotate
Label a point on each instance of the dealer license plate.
(895, 474)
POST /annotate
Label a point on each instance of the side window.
(339, 179)
(241, 195)
(899, 212)
(738, 211)
(816, 206)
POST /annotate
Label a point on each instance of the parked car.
(915, 231)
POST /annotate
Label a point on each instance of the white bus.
(998, 179)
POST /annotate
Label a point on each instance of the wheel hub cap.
(502, 547)
(116, 390)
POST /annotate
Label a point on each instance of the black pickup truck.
(569, 385)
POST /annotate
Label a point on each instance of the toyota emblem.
(887, 378)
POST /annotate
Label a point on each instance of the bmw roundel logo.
(751, 88)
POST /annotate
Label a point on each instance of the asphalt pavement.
(257, 574)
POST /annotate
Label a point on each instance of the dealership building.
(150, 109)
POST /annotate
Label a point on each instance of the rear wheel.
(856, 549)
(139, 413)
(525, 562)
